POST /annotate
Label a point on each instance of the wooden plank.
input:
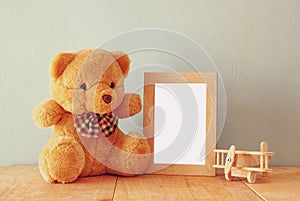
(282, 184)
(256, 153)
(219, 166)
(221, 151)
(252, 169)
(166, 187)
(25, 183)
(247, 160)
(246, 152)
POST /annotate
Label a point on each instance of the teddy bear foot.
(131, 156)
(62, 160)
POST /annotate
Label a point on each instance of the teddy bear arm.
(47, 113)
(130, 106)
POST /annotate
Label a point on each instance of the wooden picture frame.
(154, 79)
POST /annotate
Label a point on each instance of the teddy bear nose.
(107, 98)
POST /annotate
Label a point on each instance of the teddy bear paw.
(135, 104)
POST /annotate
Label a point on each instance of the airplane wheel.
(251, 177)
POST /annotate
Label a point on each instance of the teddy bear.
(88, 99)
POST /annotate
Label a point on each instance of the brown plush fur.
(68, 156)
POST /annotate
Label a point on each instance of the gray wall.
(254, 43)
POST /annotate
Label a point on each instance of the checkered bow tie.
(92, 125)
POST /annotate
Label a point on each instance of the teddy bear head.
(89, 80)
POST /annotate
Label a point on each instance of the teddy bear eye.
(112, 85)
(83, 86)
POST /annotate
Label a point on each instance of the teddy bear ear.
(59, 64)
(123, 60)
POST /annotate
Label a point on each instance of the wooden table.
(25, 183)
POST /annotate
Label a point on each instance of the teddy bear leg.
(61, 160)
(130, 156)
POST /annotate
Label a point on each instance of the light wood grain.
(282, 184)
(166, 187)
(210, 79)
(25, 183)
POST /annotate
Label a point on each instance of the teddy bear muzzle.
(107, 98)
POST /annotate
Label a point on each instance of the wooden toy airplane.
(244, 164)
